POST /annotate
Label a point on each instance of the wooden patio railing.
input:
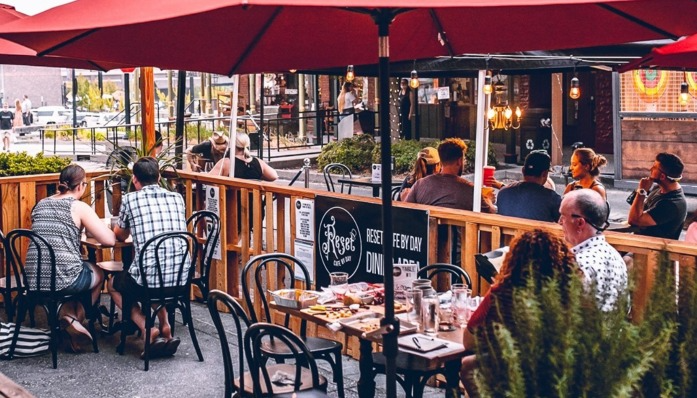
(240, 199)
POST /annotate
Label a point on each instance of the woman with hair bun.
(246, 166)
(427, 163)
(60, 219)
(585, 169)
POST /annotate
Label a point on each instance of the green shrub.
(555, 348)
(354, 152)
(360, 151)
(13, 164)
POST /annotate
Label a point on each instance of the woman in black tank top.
(585, 169)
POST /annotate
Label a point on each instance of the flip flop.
(157, 348)
(78, 334)
(171, 346)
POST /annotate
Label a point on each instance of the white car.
(47, 115)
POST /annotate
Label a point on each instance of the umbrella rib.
(638, 21)
(256, 40)
(66, 42)
(443, 37)
(96, 65)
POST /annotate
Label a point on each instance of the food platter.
(370, 321)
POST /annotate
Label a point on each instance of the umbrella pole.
(179, 123)
(383, 18)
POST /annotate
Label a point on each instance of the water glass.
(338, 283)
(430, 318)
(414, 296)
(461, 311)
(417, 283)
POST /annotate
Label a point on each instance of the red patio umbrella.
(15, 54)
(679, 55)
(250, 36)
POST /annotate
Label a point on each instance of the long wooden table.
(448, 358)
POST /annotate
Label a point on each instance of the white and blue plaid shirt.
(149, 212)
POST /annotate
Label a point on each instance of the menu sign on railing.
(349, 239)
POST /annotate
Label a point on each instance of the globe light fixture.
(349, 73)
(501, 116)
(575, 89)
(414, 81)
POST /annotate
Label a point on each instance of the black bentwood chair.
(242, 386)
(45, 296)
(204, 223)
(8, 284)
(340, 170)
(301, 379)
(415, 375)
(181, 246)
(321, 349)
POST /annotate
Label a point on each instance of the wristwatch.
(643, 193)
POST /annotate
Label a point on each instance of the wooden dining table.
(448, 358)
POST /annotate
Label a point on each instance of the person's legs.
(123, 284)
(469, 364)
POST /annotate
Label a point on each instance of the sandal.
(171, 346)
(157, 348)
(78, 334)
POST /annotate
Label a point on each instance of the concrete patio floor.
(107, 374)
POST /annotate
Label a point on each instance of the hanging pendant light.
(349, 73)
(487, 83)
(414, 81)
(684, 90)
(575, 89)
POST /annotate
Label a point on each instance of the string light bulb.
(487, 83)
(575, 89)
(349, 73)
(414, 81)
(684, 90)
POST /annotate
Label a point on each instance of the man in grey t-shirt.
(529, 198)
(448, 189)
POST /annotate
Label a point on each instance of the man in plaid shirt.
(150, 211)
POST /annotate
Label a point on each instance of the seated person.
(529, 198)
(246, 166)
(149, 211)
(550, 258)
(60, 219)
(211, 150)
(427, 163)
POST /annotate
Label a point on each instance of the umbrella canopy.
(15, 54)
(251, 36)
(680, 55)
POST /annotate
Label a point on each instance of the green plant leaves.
(14, 164)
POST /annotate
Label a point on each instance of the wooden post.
(147, 94)
(557, 117)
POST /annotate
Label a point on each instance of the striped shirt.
(149, 212)
(52, 220)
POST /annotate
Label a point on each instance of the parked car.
(47, 115)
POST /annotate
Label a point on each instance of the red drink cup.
(488, 173)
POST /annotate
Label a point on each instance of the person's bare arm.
(267, 172)
(94, 225)
(637, 216)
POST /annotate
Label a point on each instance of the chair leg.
(149, 322)
(21, 310)
(338, 371)
(55, 332)
(9, 308)
(186, 312)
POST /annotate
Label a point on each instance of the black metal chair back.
(456, 273)
(204, 223)
(257, 361)
(240, 319)
(258, 267)
(43, 294)
(396, 192)
(8, 283)
(339, 170)
(180, 246)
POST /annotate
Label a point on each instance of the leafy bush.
(354, 152)
(14, 164)
(557, 348)
(359, 152)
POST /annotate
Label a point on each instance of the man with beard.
(449, 189)
(660, 212)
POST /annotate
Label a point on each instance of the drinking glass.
(338, 283)
(414, 297)
(461, 298)
(430, 314)
(416, 283)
